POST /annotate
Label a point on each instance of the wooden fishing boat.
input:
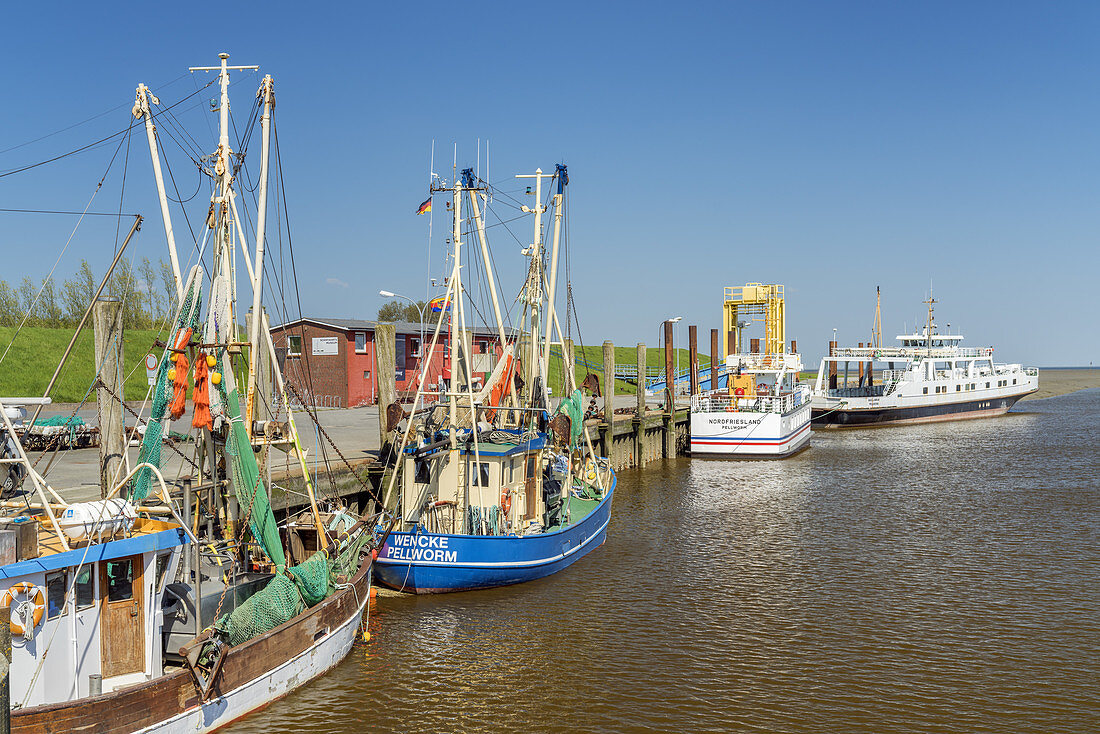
(122, 620)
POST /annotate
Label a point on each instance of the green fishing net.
(573, 406)
(187, 318)
(285, 596)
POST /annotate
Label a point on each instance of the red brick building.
(331, 362)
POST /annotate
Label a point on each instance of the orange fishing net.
(179, 396)
(201, 396)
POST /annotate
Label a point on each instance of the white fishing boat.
(121, 620)
(927, 377)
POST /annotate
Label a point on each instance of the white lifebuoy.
(35, 594)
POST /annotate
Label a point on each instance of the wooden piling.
(693, 358)
(385, 356)
(668, 445)
(107, 324)
(714, 359)
(639, 414)
(832, 366)
(609, 400)
(861, 367)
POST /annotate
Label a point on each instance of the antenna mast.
(878, 317)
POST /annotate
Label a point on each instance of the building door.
(122, 622)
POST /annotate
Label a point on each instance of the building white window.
(360, 342)
(294, 346)
(414, 346)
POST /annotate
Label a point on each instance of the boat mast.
(267, 92)
(928, 328)
(534, 281)
(141, 109)
(456, 279)
(878, 317)
(559, 198)
(224, 173)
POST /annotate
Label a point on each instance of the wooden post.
(5, 675)
(608, 381)
(714, 359)
(385, 368)
(693, 357)
(754, 346)
(609, 400)
(667, 444)
(794, 347)
(832, 366)
(107, 324)
(861, 368)
(639, 414)
(670, 371)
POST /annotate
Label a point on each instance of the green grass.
(655, 357)
(34, 355)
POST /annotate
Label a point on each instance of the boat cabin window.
(483, 481)
(85, 588)
(120, 580)
(423, 472)
(56, 586)
(926, 391)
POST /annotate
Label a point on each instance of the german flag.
(425, 207)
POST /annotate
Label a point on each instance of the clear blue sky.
(831, 147)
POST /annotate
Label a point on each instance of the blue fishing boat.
(494, 487)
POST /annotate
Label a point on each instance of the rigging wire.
(83, 148)
(82, 122)
(34, 302)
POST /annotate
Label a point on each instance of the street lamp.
(417, 306)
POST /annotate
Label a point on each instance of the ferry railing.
(721, 401)
(910, 352)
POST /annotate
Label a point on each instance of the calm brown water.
(940, 578)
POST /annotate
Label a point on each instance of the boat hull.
(880, 416)
(435, 563)
(749, 435)
(253, 675)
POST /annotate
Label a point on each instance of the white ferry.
(929, 377)
(763, 412)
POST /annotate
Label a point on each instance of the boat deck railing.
(883, 355)
(719, 401)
